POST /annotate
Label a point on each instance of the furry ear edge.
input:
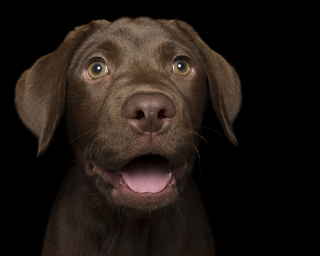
(225, 92)
(40, 92)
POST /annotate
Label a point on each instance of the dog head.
(134, 94)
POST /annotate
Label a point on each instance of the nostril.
(161, 114)
(139, 115)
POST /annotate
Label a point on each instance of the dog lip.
(117, 180)
(175, 167)
(171, 159)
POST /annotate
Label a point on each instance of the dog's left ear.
(41, 90)
(224, 83)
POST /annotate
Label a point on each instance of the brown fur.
(86, 218)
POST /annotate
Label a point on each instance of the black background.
(243, 188)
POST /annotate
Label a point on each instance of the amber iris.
(181, 67)
(97, 70)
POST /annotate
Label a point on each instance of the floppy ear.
(225, 91)
(224, 84)
(41, 91)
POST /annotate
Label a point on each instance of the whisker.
(182, 199)
(201, 126)
(204, 152)
(67, 157)
(195, 149)
(200, 162)
(200, 136)
(84, 155)
(204, 140)
(91, 144)
(94, 141)
(102, 150)
(95, 130)
(177, 207)
(198, 156)
(70, 163)
(208, 158)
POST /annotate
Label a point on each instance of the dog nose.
(149, 113)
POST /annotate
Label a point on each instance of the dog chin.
(146, 183)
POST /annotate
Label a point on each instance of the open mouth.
(147, 175)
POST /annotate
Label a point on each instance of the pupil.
(181, 66)
(97, 69)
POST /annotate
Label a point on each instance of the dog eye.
(181, 67)
(97, 70)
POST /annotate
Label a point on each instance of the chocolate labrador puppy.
(133, 93)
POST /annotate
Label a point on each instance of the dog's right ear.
(40, 92)
(223, 81)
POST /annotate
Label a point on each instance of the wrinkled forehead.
(139, 39)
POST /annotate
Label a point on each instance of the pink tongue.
(147, 174)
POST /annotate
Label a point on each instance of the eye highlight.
(97, 70)
(181, 67)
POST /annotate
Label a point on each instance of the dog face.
(134, 94)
